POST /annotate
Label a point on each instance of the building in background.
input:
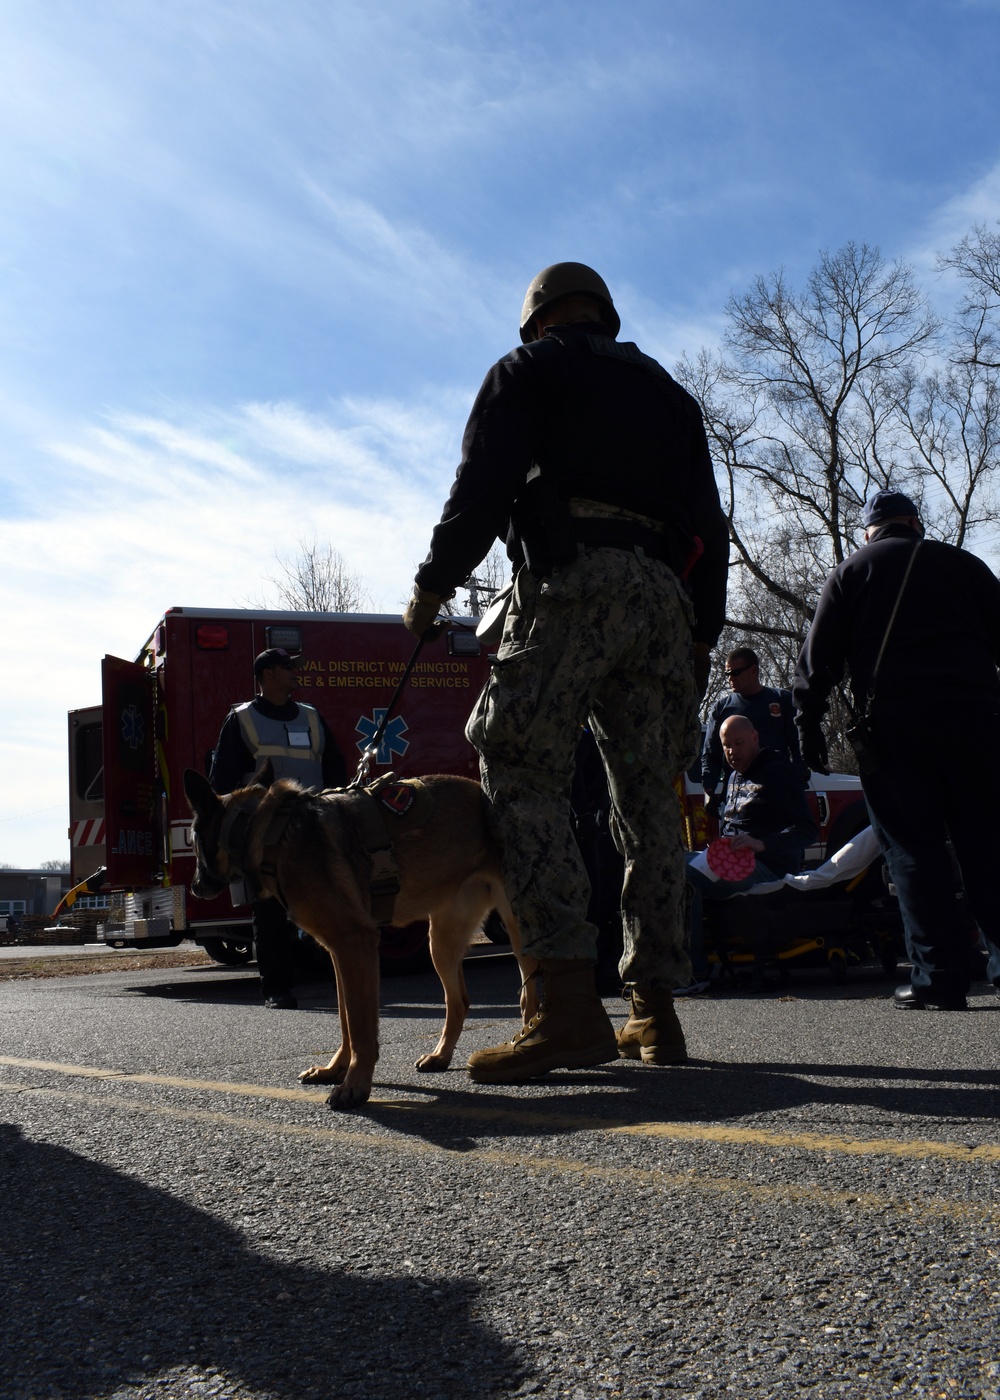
(32, 892)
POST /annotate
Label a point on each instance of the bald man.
(765, 812)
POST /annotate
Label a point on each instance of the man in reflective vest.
(295, 738)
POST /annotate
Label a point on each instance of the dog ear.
(264, 776)
(201, 799)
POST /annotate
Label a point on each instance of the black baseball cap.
(886, 505)
(274, 656)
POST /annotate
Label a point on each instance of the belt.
(624, 534)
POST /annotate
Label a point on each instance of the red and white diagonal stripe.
(89, 832)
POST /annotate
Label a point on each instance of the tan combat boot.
(570, 1030)
(652, 1033)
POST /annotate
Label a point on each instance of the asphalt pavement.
(809, 1208)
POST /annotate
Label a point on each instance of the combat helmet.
(561, 280)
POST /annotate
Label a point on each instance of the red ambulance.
(162, 713)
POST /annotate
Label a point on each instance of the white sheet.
(844, 864)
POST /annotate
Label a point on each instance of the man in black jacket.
(935, 686)
(594, 464)
(765, 812)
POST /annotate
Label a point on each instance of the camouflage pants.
(604, 641)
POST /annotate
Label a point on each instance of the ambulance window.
(89, 763)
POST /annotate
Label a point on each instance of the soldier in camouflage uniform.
(598, 461)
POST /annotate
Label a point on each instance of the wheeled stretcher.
(841, 914)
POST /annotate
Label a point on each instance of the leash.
(371, 749)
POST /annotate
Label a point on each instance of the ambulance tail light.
(212, 636)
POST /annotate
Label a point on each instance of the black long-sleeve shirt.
(603, 422)
(944, 647)
(768, 802)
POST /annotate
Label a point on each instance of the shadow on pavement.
(415, 999)
(109, 1281)
(702, 1091)
(221, 989)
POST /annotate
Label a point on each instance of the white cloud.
(669, 338)
(946, 225)
(119, 521)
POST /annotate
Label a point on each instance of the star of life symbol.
(391, 742)
(133, 727)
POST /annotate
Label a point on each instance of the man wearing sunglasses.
(770, 711)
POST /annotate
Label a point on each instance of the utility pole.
(479, 593)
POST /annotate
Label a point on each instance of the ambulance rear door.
(130, 785)
(86, 792)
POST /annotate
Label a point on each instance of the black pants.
(925, 792)
(276, 940)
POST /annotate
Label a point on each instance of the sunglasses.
(738, 671)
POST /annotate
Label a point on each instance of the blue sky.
(255, 259)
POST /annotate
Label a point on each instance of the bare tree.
(953, 421)
(316, 579)
(802, 416)
(54, 865)
(953, 415)
(976, 259)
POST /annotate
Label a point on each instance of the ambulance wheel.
(228, 951)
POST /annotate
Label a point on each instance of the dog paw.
(347, 1096)
(323, 1074)
(433, 1062)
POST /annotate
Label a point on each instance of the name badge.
(298, 739)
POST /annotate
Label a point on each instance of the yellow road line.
(780, 1193)
(261, 1091)
(546, 1122)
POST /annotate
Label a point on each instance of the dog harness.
(387, 793)
(392, 795)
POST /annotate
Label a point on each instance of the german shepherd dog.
(449, 873)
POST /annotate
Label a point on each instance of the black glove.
(814, 753)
